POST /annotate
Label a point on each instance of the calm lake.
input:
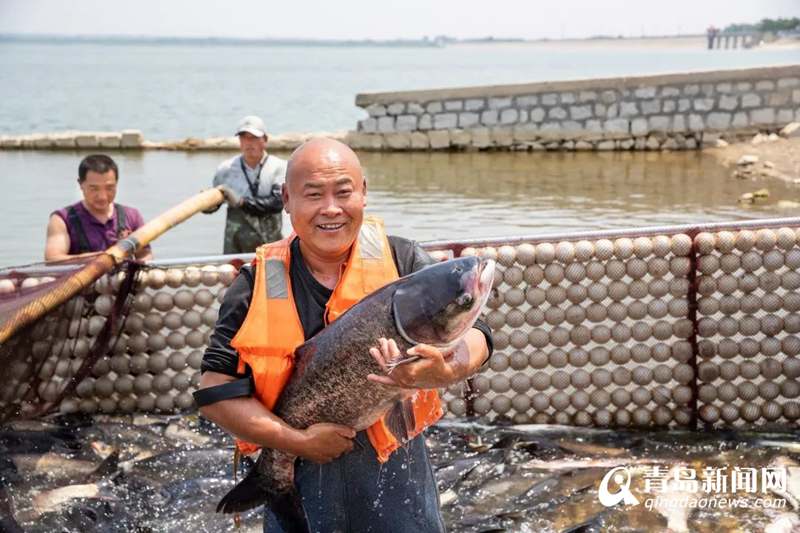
(173, 91)
(422, 196)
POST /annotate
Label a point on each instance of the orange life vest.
(272, 330)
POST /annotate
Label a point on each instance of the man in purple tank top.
(96, 222)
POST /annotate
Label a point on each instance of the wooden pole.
(104, 262)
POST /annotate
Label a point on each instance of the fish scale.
(329, 381)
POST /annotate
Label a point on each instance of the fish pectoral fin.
(391, 365)
(400, 420)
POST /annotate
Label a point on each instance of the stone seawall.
(134, 140)
(664, 112)
(673, 111)
(65, 140)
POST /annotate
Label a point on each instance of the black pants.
(356, 493)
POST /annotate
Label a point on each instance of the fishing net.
(670, 327)
(58, 322)
(46, 359)
(131, 341)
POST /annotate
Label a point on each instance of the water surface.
(167, 473)
(423, 196)
(179, 90)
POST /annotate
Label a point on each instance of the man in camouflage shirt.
(254, 179)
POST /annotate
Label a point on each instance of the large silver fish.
(436, 305)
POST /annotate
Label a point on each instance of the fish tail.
(246, 495)
(287, 506)
(288, 510)
(270, 482)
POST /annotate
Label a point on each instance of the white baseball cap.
(252, 125)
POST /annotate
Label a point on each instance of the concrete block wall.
(133, 140)
(125, 139)
(673, 111)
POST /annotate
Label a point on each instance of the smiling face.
(325, 196)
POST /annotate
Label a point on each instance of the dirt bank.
(777, 157)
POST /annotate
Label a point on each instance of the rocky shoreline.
(765, 156)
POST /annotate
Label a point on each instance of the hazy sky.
(382, 19)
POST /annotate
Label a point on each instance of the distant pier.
(730, 39)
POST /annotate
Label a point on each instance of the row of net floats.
(573, 297)
(154, 362)
(555, 307)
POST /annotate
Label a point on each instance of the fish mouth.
(485, 276)
(479, 282)
(483, 283)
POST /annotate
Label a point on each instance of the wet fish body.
(87, 516)
(30, 441)
(784, 523)
(583, 448)
(790, 446)
(173, 466)
(53, 465)
(677, 515)
(183, 499)
(578, 464)
(792, 492)
(459, 469)
(435, 305)
(51, 500)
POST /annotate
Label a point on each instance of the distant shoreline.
(687, 41)
(438, 41)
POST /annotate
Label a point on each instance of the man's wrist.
(460, 362)
(295, 440)
(460, 371)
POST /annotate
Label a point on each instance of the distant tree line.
(767, 25)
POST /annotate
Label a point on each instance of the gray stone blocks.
(645, 113)
(443, 121)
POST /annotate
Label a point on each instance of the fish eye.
(464, 300)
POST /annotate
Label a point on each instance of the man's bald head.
(322, 153)
(325, 195)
